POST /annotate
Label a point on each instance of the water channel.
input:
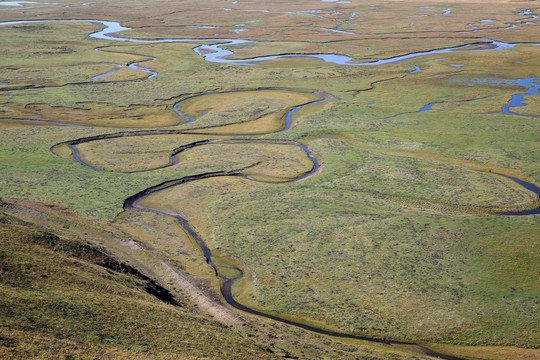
(216, 53)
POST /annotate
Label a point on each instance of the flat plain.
(343, 165)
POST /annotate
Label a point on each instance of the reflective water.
(16, 3)
(288, 118)
(216, 53)
(532, 86)
(518, 100)
(176, 109)
(416, 69)
(96, 78)
(78, 158)
(531, 187)
(429, 106)
(135, 66)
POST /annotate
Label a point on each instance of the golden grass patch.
(243, 112)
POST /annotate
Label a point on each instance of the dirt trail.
(218, 311)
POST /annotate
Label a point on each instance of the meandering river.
(215, 52)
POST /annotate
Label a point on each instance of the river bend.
(216, 53)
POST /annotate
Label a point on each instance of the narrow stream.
(518, 100)
(287, 119)
(429, 107)
(532, 86)
(531, 187)
(133, 202)
(96, 78)
(134, 65)
(78, 158)
(216, 53)
(226, 290)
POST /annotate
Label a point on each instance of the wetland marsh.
(296, 170)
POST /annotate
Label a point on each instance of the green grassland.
(396, 237)
(54, 304)
(53, 294)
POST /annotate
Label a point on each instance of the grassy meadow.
(397, 235)
(54, 304)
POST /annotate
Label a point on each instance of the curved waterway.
(215, 52)
(316, 166)
(134, 65)
(98, 77)
(287, 120)
(228, 282)
(429, 107)
(531, 187)
(78, 158)
(518, 100)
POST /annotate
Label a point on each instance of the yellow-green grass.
(532, 109)
(68, 60)
(164, 235)
(245, 112)
(189, 200)
(377, 262)
(10, 124)
(132, 154)
(53, 303)
(454, 88)
(95, 114)
(520, 199)
(266, 160)
(42, 175)
(325, 159)
(179, 201)
(488, 353)
(433, 185)
(226, 21)
(403, 251)
(21, 45)
(281, 21)
(66, 275)
(66, 74)
(228, 272)
(56, 75)
(370, 49)
(124, 73)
